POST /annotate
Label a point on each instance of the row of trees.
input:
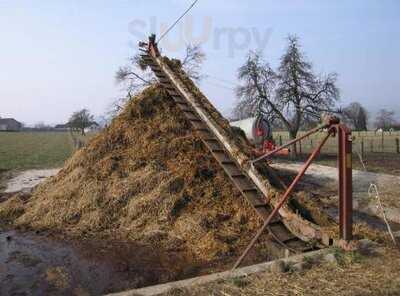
(357, 117)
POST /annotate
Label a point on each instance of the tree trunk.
(83, 131)
(293, 148)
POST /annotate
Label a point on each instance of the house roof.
(8, 121)
(66, 125)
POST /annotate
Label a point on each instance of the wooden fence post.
(383, 141)
(372, 145)
(280, 140)
(397, 145)
(362, 148)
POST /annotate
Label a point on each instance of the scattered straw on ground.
(355, 274)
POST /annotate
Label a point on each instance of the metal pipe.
(345, 182)
(283, 200)
(325, 125)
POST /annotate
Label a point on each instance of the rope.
(373, 189)
(177, 21)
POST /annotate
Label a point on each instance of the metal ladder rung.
(164, 80)
(201, 129)
(238, 176)
(157, 71)
(167, 86)
(245, 185)
(160, 76)
(172, 92)
(182, 104)
(146, 58)
(232, 169)
(281, 231)
(210, 140)
(194, 120)
(225, 162)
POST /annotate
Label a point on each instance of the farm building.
(62, 127)
(93, 127)
(10, 124)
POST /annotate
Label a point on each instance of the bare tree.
(256, 94)
(137, 75)
(134, 76)
(356, 116)
(80, 120)
(385, 119)
(192, 62)
(300, 92)
(292, 96)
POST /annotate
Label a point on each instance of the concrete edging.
(226, 275)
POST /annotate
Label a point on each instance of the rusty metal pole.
(283, 199)
(345, 182)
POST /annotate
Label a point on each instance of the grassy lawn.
(34, 150)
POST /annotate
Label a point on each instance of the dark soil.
(44, 264)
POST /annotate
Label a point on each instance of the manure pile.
(146, 178)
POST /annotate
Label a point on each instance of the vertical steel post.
(345, 182)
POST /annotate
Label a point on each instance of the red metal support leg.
(284, 198)
(345, 182)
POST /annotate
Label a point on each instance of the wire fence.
(363, 142)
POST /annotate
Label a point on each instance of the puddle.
(37, 265)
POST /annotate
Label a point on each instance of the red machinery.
(258, 130)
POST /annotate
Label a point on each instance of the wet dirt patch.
(33, 264)
(40, 264)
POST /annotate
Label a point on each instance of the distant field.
(370, 141)
(33, 150)
(380, 150)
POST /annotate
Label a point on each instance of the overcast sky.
(60, 56)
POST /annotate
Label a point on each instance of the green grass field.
(34, 150)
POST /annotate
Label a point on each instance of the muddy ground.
(40, 263)
(43, 264)
(36, 264)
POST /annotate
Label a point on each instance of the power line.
(219, 85)
(223, 80)
(177, 21)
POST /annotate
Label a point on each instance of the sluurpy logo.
(229, 39)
